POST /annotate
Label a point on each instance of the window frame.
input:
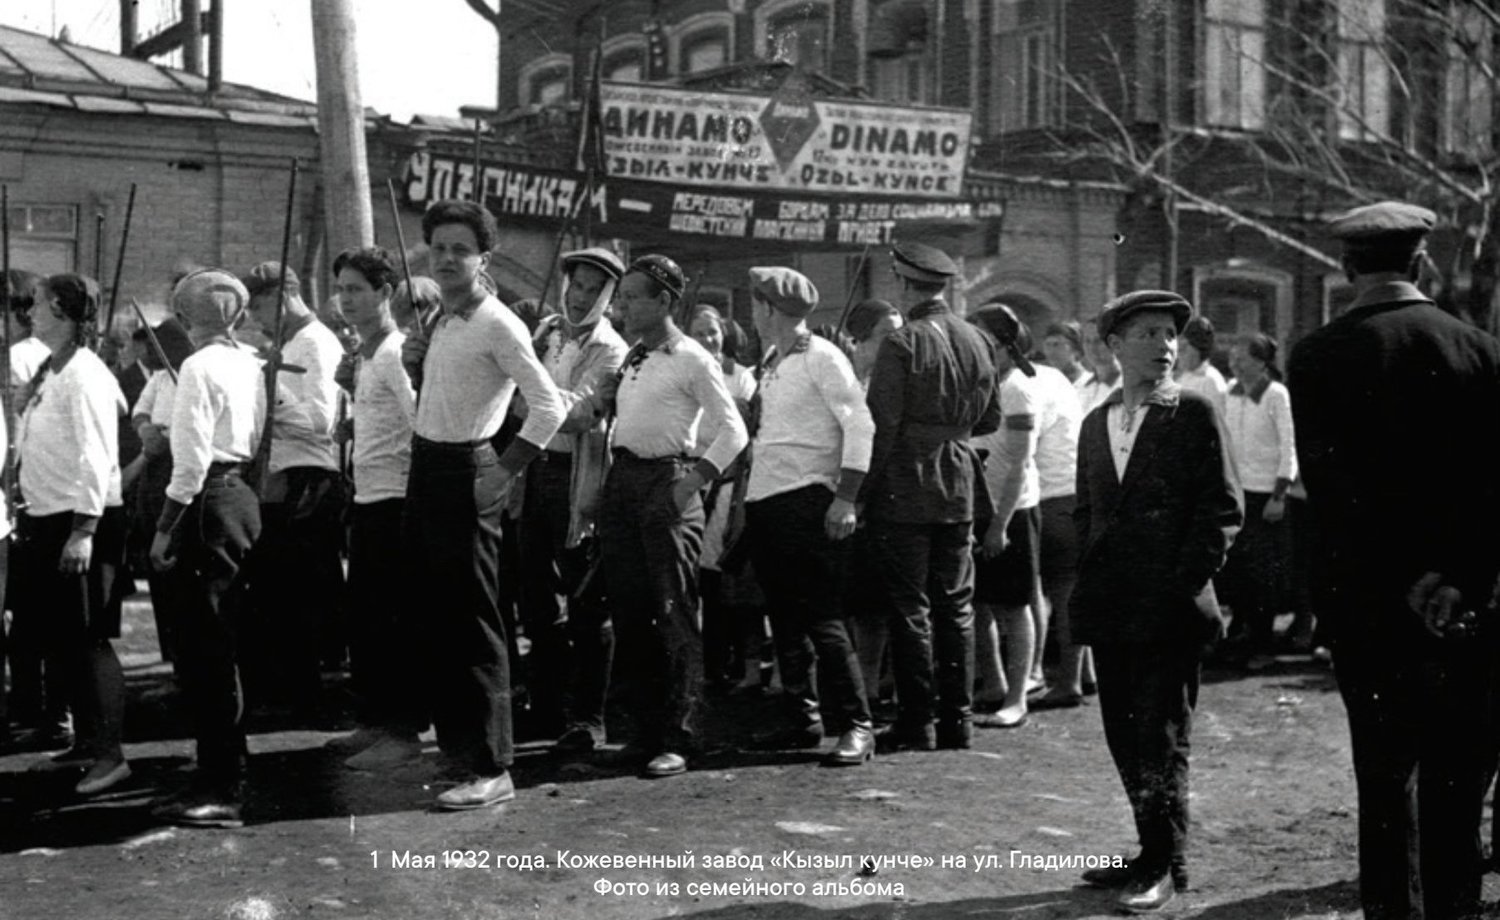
(773, 12)
(1226, 30)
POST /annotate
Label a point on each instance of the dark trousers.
(215, 538)
(1258, 573)
(297, 580)
(928, 573)
(803, 574)
(650, 555)
(572, 639)
(1146, 699)
(1421, 722)
(4, 640)
(381, 620)
(451, 531)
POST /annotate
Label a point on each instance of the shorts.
(1008, 580)
(1059, 556)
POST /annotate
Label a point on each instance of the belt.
(626, 455)
(937, 432)
(222, 468)
(464, 448)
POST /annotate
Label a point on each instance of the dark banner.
(644, 211)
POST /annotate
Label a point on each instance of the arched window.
(702, 42)
(547, 80)
(625, 58)
(796, 31)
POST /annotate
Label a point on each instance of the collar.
(1388, 293)
(367, 349)
(1255, 392)
(466, 309)
(1167, 394)
(773, 356)
(928, 308)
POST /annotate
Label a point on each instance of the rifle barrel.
(114, 290)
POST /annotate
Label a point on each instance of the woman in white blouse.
(1256, 578)
(71, 535)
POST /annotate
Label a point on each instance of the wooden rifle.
(161, 354)
(274, 366)
(859, 270)
(114, 290)
(424, 323)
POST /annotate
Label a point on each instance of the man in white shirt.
(651, 526)
(562, 607)
(210, 521)
(478, 354)
(298, 576)
(380, 599)
(812, 450)
(1006, 568)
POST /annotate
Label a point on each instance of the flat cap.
(1121, 308)
(921, 262)
(663, 271)
(265, 276)
(598, 257)
(866, 315)
(210, 297)
(786, 290)
(1382, 223)
(1001, 322)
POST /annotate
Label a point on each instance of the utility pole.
(341, 128)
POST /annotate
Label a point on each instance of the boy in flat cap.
(476, 357)
(1402, 579)
(933, 388)
(208, 525)
(297, 577)
(1158, 504)
(811, 450)
(651, 524)
(571, 644)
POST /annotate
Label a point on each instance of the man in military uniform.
(933, 388)
(1396, 404)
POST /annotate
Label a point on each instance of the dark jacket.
(1397, 410)
(1151, 544)
(933, 388)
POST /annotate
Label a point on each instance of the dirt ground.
(968, 834)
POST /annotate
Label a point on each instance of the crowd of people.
(886, 521)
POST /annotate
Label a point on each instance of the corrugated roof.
(37, 70)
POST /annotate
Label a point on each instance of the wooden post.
(341, 128)
(129, 28)
(216, 46)
(192, 36)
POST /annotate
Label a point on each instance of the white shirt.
(662, 399)
(473, 368)
(741, 383)
(155, 401)
(1058, 420)
(1208, 381)
(217, 414)
(68, 440)
(1017, 397)
(1260, 435)
(385, 406)
(1122, 433)
(307, 404)
(813, 422)
(563, 356)
(1092, 391)
(26, 359)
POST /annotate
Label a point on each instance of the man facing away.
(933, 388)
(1158, 504)
(478, 355)
(1396, 406)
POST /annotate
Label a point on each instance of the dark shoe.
(906, 738)
(955, 735)
(806, 736)
(855, 746)
(478, 792)
(579, 739)
(1148, 894)
(666, 764)
(1110, 876)
(1055, 701)
(201, 809)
